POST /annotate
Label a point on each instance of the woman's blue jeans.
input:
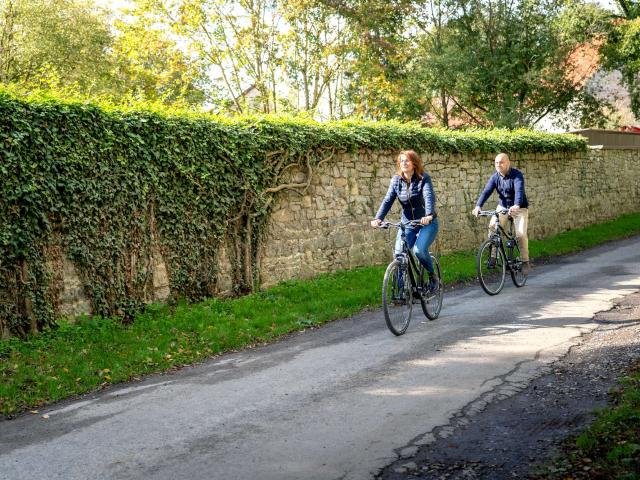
(419, 239)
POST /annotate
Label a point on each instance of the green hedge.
(99, 185)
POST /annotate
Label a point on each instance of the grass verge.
(610, 447)
(96, 352)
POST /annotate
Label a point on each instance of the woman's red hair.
(418, 169)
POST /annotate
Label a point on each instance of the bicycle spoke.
(517, 274)
(431, 300)
(491, 266)
(397, 299)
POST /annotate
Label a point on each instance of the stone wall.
(327, 227)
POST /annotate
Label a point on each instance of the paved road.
(339, 402)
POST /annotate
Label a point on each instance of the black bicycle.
(499, 253)
(405, 282)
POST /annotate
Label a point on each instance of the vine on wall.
(100, 186)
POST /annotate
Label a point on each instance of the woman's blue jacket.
(417, 198)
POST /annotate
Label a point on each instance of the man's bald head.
(502, 163)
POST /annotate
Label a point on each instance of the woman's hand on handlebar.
(426, 220)
(376, 222)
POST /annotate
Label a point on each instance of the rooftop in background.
(627, 137)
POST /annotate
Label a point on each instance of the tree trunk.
(6, 42)
(445, 108)
(248, 256)
(27, 305)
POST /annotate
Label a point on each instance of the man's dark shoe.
(491, 263)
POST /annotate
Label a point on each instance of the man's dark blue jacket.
(417, 199)
(510, 189)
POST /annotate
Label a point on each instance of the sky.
(113, 5)
(608, 4)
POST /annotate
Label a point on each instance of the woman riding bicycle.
(414, 190)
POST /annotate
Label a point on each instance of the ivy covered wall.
(106, 189)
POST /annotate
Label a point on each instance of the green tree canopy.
(71, 48)
(622, 50)
(54, 43)
(149, 66)
(507, 63)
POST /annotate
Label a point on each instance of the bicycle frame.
(410, 258)
(510, 236)
(407, 255)
(406, 264)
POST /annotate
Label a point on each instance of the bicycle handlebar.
(489, 213)
(413, 223)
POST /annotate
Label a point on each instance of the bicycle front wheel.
(431, 300)
(515, 261)
(397, 300)
(491, 266)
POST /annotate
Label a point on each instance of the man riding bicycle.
(509, 183)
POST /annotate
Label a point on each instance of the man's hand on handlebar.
(476, 211)
(376, 222)
(514, 210)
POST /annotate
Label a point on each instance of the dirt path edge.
(512, 432)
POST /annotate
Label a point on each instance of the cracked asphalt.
(351, 401)
(515, 436)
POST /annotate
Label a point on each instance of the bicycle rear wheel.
(431, 301)
(397, 299)
(491, 267)
(515, 260)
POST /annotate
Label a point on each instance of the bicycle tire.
(491, 278)
(431, 302)
(397, 298)
(517, 275)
